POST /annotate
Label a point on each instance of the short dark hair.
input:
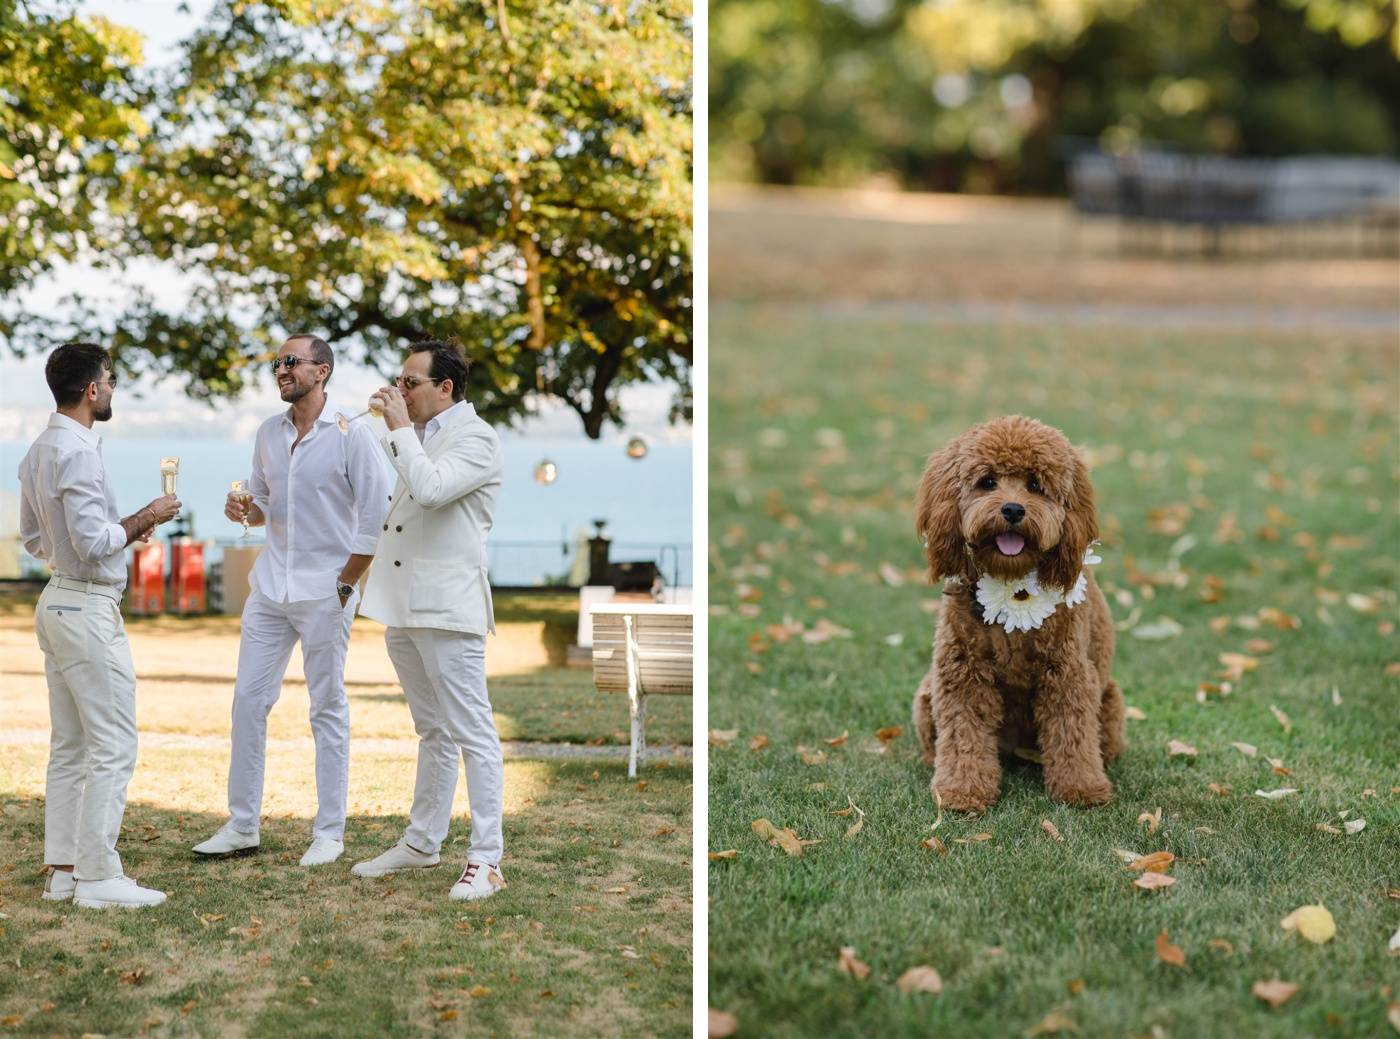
(72, 368)
(449, 362)
(321, 351)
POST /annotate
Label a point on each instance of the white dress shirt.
(322, 502)
(68, 514)
(448, 415)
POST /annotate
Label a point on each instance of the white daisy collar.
(1023, 604)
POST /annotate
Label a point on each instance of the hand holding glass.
(238, 490)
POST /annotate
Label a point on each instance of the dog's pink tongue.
(1010, 544)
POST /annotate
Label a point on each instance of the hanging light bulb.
(637, 446)
(546, 472)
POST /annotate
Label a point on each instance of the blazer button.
(398, 527)
(397, 563)
(386, 526)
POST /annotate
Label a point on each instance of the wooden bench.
(643, 649)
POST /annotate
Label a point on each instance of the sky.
(161, 408)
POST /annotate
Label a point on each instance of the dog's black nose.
(1013, 512)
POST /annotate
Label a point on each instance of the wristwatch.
(344, 590)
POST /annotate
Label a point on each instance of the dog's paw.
(1095, 791)
(954, 798)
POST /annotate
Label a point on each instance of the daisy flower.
(1016, 605)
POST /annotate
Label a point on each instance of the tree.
(68, 112)
(378, 171)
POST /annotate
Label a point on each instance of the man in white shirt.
(429, 587)
(322, 495)
(69, 519)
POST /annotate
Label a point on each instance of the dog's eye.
(1033, 485)
(987, 483)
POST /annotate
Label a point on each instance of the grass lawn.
(592, 935)
(1236, 473)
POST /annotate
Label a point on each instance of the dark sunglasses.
(290, 362)
(409, 382)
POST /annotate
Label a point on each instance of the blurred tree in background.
(986, 95)
(378, 171)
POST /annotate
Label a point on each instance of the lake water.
(647, 502)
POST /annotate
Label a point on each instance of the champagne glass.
(169, 469)
(240, 492)
(343, 424)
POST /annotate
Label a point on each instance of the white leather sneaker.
(58, 885)
(116, 893)
(322, 851)
(228, 841)
(478, 880)
(397, 859)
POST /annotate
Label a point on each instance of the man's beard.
(294, 393)
(104, 415)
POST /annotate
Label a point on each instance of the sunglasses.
(111, 381)
(290, 362)
(411, 382)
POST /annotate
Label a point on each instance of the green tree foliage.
(983, 94)
(515, 173)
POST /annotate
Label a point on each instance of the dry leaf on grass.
(1150, 881)
(1354, 825)
(1220, 945)
(1178, 749)
(935, 845)
(1219, 789)
(1275, 993)
(1274, 795)
(786, 838)
(1049, 827)
(888, 733)
(1394, 946)
(1052, 1024)
(1169, 953)
(891, 575)
(1247, 749)
(976, 838)
(1153, 820)
(1157, 862)
(758, 742)
(1328, 828)
(1281, 718)
(1392, 1014)
(724, 856)
(723, 737)
(920, 979)
(722, 1024)
(850, 965)
(836, 741)
(811, 757)
(1314, 923)
(1134, 714)
(1238, 663)
(1074, 986)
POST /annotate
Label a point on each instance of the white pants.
(269, 631)
(443, 674)
(92, 713)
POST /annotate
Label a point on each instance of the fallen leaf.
(724, 856)
(723, 737)
(920, 979)
(1074, 986)
(976, 838)
(1153, 820)
(850, 965)
(1219, 789)
(478, 992)
(1274, 795)
(1157, 862)
(889, 733)
(1328, 828)
(891, 575)
(836, 741)
(894, 639)
(133, 977)
(1247, 749)
(1394, 946)
(758, 742)
(1336, 697)
(788, 840)
(1049, 827)
(1126, 855)
(1275, 993)
(1169, 953)
(1238, 662)
(1157, 631)
(824, 630)
(1153, 881)
(1354, 825)
(811, 757)
(1220, 945)
(1363, 603)
(1392, 1014)
(1314, 923)
(1178, 749)
(1281, 718)
(1053, 1022)
(935, 845)
(764, 829)
(1134, 714)
(722, 1024)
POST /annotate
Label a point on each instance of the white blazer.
(429, 568)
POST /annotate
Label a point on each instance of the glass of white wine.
(343, 424)
(240, 492)
(169, 469)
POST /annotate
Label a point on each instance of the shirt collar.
(327, 413)
(448, 416)
(86, 435)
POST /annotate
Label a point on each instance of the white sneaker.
(397, 859)
(228, 841)
(58, 885)
(322, 851)
(479, 880)
(118, 892)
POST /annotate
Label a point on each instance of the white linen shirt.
(68, 514)
(430, 429)
(322, 503)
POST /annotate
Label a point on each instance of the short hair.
(449, 362)
(321, 351)
(72, 367)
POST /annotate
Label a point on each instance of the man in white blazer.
(428, 585)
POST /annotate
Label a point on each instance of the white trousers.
(443, 674)
(92, 717)
(269, 631)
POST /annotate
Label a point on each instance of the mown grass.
(592, 935)
(819, 428)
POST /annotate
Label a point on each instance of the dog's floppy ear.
(1062, 565)
(938, 519)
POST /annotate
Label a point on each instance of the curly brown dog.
(1004, 499)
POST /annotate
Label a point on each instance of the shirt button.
(397, 563)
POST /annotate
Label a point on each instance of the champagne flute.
(239, 490)
(343, 424)
(169, 469)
